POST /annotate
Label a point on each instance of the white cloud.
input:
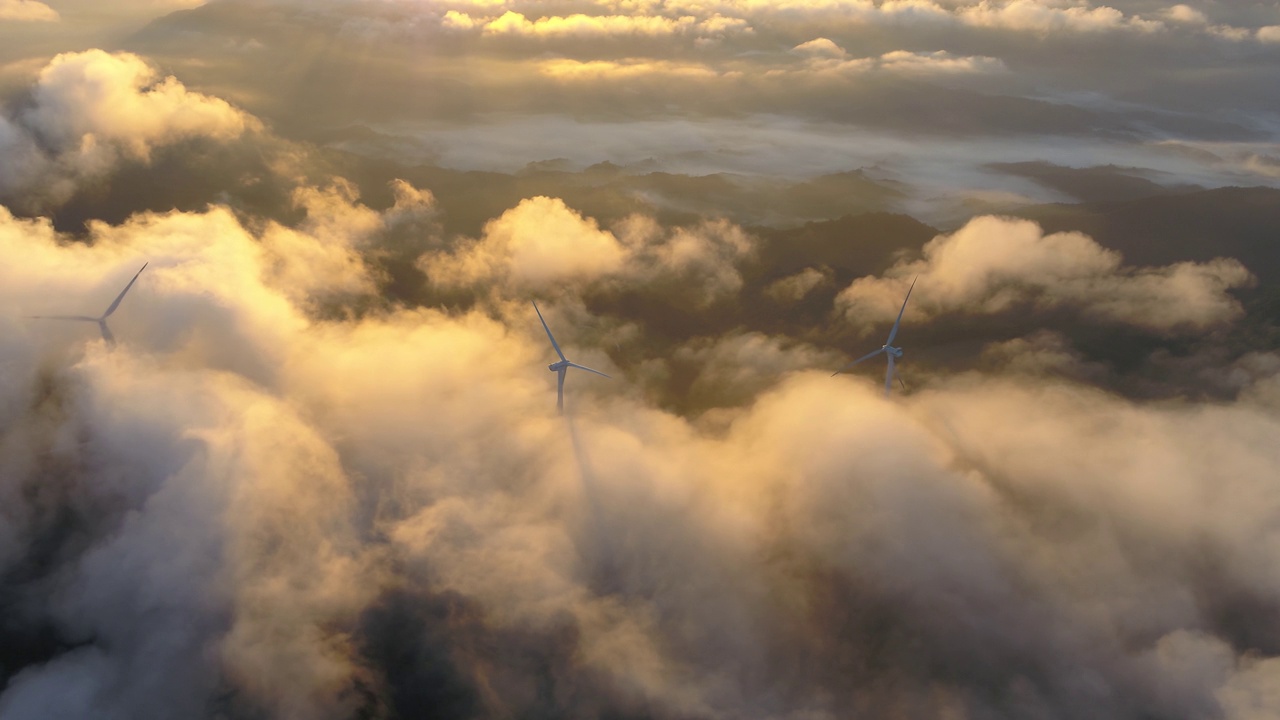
(1269, 34)
(514, 23)
(543, 244)
(1186, 14)
(992, 264)
(91, 109)
(27, 11)
(820, 47)
(454, 20)
(1044, 17)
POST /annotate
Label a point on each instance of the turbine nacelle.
(558, 366)
(896, 352)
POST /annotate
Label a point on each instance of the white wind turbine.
(102, 319)
(562, 367)
(890, 352)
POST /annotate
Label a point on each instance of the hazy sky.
(321, 475)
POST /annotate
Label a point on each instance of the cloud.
(259, 504)
(1039, 16)
(736, 369)
(820, 62)
(605, 70)
(284, 495)
(454, 20)
(1269, 34)
(323, 258)
(27, 11)
(1186, 14)
(513, 23)
(539, 243)
(698, 263)
(1043, 353)
(542, 244)
(820, 47)
(91, 110)
(1046, 17)
(901, 61)
(993, 264)
(794, 288)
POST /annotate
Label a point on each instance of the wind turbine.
(560, 368)
(101, 320)
(890, 352)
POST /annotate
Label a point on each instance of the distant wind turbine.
(560, 368)
(891, 353)
(101, 320)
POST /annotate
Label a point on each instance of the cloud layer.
(321, 475)
(259, 536)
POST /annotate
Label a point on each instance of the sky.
(319, 472)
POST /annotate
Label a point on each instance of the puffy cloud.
(91, 109)
(794, 288)
(993, 264)
(901, 61)
(1186, 14)
(454, 20)
(820, 47)
(322, 258)
(1269, 34)
(273, 275)
(1045, 17)
(514, 23)
(699, 263)
(538, 243)
(542, 244)
(1015, 15)
(27, 11)
(184, 461)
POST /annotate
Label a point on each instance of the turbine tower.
(560, 368)
(102, 319)
(891, 353)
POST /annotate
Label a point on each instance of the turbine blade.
(903, 384)
(116, 303)
(106, 333)
(560, 389)
(894, 332)
(584, 367)
(549, 335)
(83, 318)
(888, 377)
(868, 356)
